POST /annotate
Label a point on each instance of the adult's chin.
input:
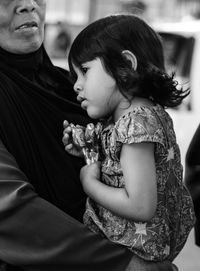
(23, 44)
(30, 48)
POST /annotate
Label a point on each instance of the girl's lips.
(80, 99)
(84, 104)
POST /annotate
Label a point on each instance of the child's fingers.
(65, 123)
(67, 130)
(68, 147)
(65, 139)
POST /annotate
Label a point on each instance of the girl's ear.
(131, 57)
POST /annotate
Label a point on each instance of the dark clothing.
(192, 178)
(36, 171)
(36, 235)
(32, 115)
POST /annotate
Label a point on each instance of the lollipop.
(78, 135)
(88, 140)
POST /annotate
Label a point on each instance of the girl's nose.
(77, 88)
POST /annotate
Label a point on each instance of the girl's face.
(97, 90)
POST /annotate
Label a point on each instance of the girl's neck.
(127, 106)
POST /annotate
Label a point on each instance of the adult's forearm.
(36, 235)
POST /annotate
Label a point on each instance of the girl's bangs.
(84, 52)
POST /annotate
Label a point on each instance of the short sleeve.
(140, 125)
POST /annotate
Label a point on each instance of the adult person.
(192, 178)
(39, 182)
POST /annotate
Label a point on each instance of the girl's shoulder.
(146, 115)
(143, 123)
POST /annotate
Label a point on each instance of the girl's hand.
(70, 147)
(90, 173)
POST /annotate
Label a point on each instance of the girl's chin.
(94, 115)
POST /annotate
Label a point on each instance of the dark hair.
(106, 38)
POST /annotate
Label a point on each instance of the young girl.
(136, 196)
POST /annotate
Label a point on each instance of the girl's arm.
(138, 200)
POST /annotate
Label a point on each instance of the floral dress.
(165, 234)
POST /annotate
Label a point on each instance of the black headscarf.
(35, 98)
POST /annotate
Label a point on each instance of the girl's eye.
(84, 70)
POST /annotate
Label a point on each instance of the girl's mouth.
(84, 104)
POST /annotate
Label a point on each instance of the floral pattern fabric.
(165, 234)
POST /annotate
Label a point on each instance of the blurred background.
(178, 23)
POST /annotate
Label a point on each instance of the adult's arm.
(35, 235)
